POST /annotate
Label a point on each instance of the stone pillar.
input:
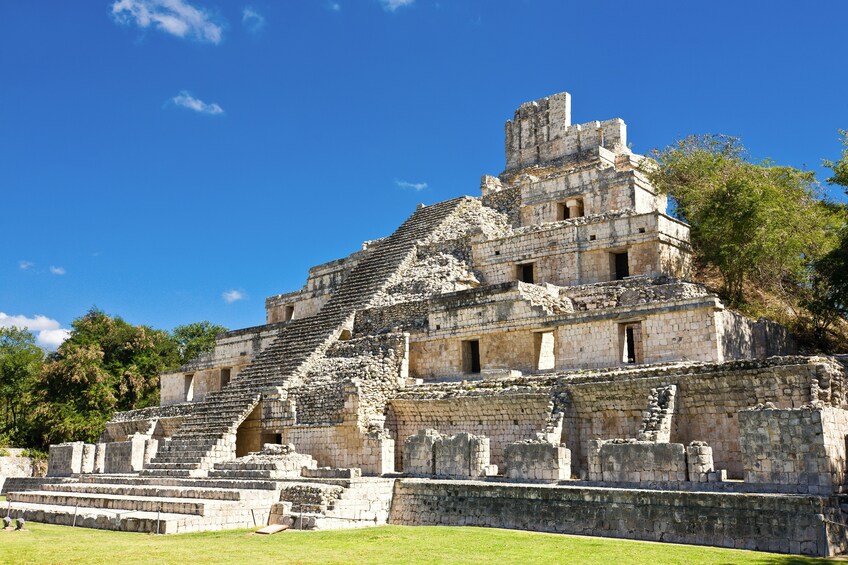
(418, 453)
(699, 459)
(87, 465)
(574, 208)
(537, 461)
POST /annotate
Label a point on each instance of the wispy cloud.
(24, 265)
(392, 5)
(334, 6)
(186, 100)
(252, 20)
(176, 17)
(416, 186)
(49, 333)
(57, 270)
(234, 295)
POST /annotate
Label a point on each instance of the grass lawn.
(388, 544)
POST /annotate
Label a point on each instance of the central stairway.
(208, 434)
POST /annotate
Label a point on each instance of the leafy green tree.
(104, 366)
(20, 363)
(194, 339)
(755, 222)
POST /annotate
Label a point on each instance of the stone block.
(88, 452)
(418, 456)
(125, 456)
(625, 462)
(463, 456)
(537, 461)
(65, 459)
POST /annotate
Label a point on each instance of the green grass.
(388, 544)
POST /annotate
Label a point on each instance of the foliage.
(755, 222)
(5, 452)
(20, 364)
(194, 339)
(384, 544)
(840, 167)
(104, 366)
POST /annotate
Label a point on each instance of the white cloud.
(176, 17)
(416, 186)
(234, 295)
(57, 270)
(252, 20)
(392, 5)
(49, 333)
(24, 265)
(186, 100)
(335, 6)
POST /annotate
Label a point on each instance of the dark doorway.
(622, 266)
(471, 356)
(225, 377)
(631, 345)
(289, 313)
(525, 273)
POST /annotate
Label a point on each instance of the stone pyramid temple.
(534, 358)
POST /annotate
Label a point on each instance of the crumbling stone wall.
(65, 459)
(610, 404)
(375, 364)
(503, 416)
(631, 461)
(418, 455)
(461, 456)
(537, 460)
(803, 448)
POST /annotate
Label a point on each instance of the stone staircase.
(208, 435)
(330, 504)
(151, 505)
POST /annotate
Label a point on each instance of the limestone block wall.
(503, 419)
(15, 465)
(636, 461)
(344, 445)
(418, 455)
(579, 251)
(461, 456)
(684, 331)
(65, 459)
(535, 460)
(802, 447)
(708, 400)
(125, 456)
(598, 185)
(787, 524)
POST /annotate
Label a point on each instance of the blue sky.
(177, 160)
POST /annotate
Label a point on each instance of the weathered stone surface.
(537, 461)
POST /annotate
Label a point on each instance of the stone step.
(191, 506)
(180, 482)
(153, 491)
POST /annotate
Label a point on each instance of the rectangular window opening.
(225, 377)
(471, 356)
(189, 387)
(620, 266)
(562, 211)
(630, 336)
(544, 351)
(525, 273)
(289, 313)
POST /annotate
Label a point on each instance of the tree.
(20, 364)
(194, 339)
(754, 222)
(104, 366)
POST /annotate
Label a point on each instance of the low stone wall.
(65, 459)
(537, 461)
(128, 456)
(616, 461)
(15, 465)
(462, 456)
(803, 447)
(779, 523)
(344, 445)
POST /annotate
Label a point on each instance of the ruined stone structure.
(534, 357)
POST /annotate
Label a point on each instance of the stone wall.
(65, 459)
(15, 464)
(537, 461)
(344, 445)
(708, 400)
(803, 448)
(786, 524)
(504, 418)
(634, 461)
